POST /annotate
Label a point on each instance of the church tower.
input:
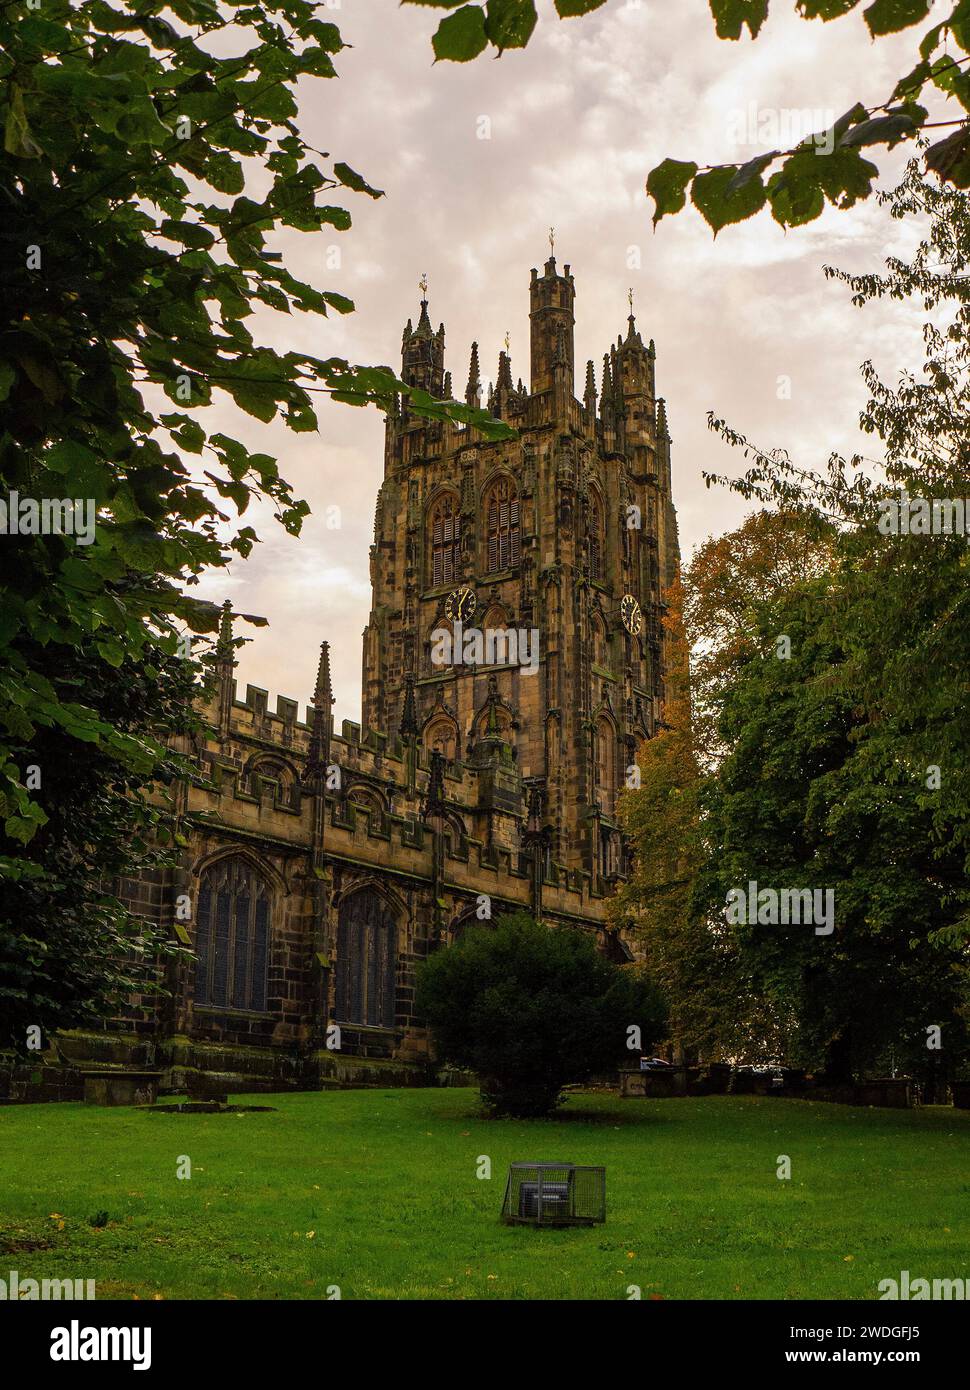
(513, 663)
(564, 536)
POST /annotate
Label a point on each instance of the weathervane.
(630, 298)
(423, 283)
(552, 241)
(507, 342)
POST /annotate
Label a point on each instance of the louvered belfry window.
(366, 961)
(502, 520)
(446, 542)
(232, 937)
(595, 537)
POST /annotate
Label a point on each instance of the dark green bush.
(531, 1009)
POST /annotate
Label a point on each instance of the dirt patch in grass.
(21, 1240)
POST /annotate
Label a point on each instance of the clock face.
(631, 614)
(460, 605)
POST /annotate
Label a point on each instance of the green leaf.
(461, 36)
(852, 117)
(951, 77)
(68, 456)
(568, 9)
(19, 828)
(667, 186)
(712, 195)
(111, 651)
(190, 436)
(800, 188)
(825, 9)
(914, 81)
(730, 16)
(334, 217)
(43, 375)
(351, 179)
(880, 130)
(950, 158)
(340, 302)
(959, 25)
(752, 169)
(187, 233)
(930, 41)
(224, 173)
(510, 23)
(889, 16)
(17, 139)
(317, 62)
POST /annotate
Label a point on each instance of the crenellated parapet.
(253, 783)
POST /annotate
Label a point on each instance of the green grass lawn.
(376, 1192)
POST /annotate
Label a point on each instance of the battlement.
(253, 782)
(621, 416)
(364, 750)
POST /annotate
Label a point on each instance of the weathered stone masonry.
(320, 868)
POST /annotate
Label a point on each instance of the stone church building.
(322, 867)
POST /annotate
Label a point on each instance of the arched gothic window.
(442, 735)
(502, 526)
(605, 763)
(596, 538)
(609, 854)
(502, 721)
(366, 960)
(445, 540)
(280, 780)
(232, 937)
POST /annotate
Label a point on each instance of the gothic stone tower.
(314, 899)
(568, 530)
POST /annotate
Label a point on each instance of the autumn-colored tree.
(727, 580)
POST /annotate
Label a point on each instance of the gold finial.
(552, 241)
(507, 342)
(423, 284)
(630, 299)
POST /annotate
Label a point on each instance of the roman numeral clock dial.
(460, 605)
(631, 614)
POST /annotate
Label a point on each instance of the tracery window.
(596, 540)
(445, 531)
(232, 936)
(502, 526)
(442, 735)
(366, 960)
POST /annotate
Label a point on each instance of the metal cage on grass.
(554, 1194)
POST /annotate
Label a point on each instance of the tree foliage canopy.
(148, 163)
(839, 757)
(826, 168)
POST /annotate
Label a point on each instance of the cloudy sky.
(575, 122)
